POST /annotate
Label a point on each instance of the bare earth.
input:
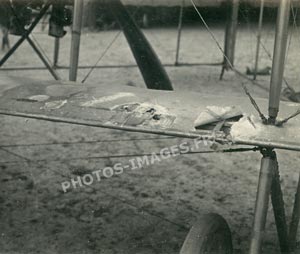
(144, 211)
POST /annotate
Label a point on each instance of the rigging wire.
(89, 142)
(288, 49)
(106, 50)
(295, 20)
(271, 58)
(69, 175)
(253, 102)
(143, 210)
(12, 9)
(261, 115)
(295, 27)
(121, 156)
(280, 123)
(101, 56)
(264, 119)
(40, 48)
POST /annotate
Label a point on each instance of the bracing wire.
(69, 175)
(40, 48)
(229, 62)
(33, 38)
(88, 142)
(253, 102)
(288, 49)
(104, 52)
(126, 156)
(295, 20)
(101, 56)
(271, 58)
(280, 123)
(261, 115)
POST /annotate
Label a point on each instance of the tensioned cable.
(40, 48)
(16, 154)
(25, 160)
(261, 115)
(105, 51)
(108, 194)
(290, 41)
(280, 123)
(146, 211)
(264, 119)
(295, 20)
(101, 56)
(270, 57)
(120, 156)
(88, 142)
(30, 35)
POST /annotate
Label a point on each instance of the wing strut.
(260, 22)
(230, 35)
(279, 58)
(150, 66)
(75, 44)
(179, 33)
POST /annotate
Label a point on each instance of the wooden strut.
(230, 35)
(280, 45)
(56, 52)
(260, 22)
(75, 41)
(179, 33)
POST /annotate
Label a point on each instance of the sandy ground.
(143, 211)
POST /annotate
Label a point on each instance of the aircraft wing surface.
(175, 113)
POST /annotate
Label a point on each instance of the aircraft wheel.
(210, 235)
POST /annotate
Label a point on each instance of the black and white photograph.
(149, 126)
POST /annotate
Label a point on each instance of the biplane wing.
(182, 114)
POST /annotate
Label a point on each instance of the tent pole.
(179, 33)
(281, 38)
(75, 44)
(260, 22)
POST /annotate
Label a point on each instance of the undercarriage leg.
(279, 211)
(295, 219)
(262, 200)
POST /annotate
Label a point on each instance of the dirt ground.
(143, 211)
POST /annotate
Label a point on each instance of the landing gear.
(211, 234)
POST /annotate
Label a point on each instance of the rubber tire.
(210, 235)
